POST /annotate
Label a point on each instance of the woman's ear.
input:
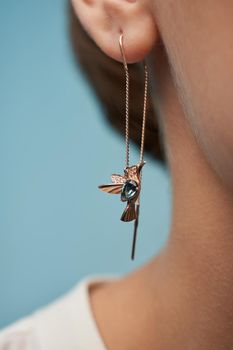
(105, 20)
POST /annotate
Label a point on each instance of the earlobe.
(105, 20)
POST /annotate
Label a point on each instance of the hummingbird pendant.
(129, 187)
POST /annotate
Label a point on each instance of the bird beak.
(140, 166)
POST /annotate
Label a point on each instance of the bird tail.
(129, 213)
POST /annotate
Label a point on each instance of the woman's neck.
(183, 298)
(198, 256)
(196, 264)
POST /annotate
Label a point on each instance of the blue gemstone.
(129, 190)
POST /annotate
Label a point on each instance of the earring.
(129, 184)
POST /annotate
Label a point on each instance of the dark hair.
(107, 78)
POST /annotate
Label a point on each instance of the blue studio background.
(55, 148)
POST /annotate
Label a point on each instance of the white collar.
(68, 323)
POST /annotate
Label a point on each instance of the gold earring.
(129, 184)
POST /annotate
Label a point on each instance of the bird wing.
(118, 179)
(112, 188)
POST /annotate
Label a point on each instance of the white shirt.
(66, 324)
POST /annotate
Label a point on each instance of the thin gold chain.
(127, 106)
(126, 101)
(144, 114)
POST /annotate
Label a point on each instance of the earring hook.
(123, 51)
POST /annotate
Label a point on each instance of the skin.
(183, 297)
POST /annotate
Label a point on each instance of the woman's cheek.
(199, 40)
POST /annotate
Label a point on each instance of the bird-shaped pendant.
(128, 186)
